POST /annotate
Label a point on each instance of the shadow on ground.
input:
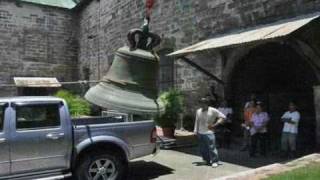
(234, 156)
(231, 155)
(143, 170)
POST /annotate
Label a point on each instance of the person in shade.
(253, 98)
(258, 130)
(249, 110)
(225, 138)
(207, 120)
(291, 120)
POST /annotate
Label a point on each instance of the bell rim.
(133, 106)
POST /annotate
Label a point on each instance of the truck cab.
(39, 139)
(36, 137)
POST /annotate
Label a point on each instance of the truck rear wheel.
(101, 166)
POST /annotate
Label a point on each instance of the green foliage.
(173, 103)
(77, 105)
(310, 172)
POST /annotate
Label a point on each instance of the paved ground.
(276, 168)
(175, 165)
(183, 164)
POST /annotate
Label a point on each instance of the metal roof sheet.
(29, 98)
(68, 4)
(258, 33)
(36, 82)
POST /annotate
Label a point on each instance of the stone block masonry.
(37, 41)
(180, 23)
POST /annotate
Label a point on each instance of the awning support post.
(193, 64)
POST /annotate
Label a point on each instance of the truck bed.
(135, 134)
(95, 120)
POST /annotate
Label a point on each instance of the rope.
(149, 5)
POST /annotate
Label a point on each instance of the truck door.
(4, 145)
(41, 139)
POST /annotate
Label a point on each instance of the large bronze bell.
(130, 85)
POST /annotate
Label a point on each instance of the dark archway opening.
(277, 74)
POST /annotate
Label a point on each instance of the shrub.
(173, 104)
(77, 105)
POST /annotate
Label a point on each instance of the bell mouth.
(123, 100)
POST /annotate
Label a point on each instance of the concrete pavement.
(175, 165)
(183, 164)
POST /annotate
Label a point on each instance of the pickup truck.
(39, 140)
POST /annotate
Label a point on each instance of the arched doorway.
(276, 73)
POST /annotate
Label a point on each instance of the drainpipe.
(99, 29)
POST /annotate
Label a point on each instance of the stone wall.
(317, 110)
(37, 41)
(104, 25)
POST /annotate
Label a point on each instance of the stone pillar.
(179, 124)
(316, 92)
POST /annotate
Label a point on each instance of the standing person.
(258, 130)
(226, 110)
(207, 119)
(291, 120)
(247, 116)
(226, 130)
(253, 98)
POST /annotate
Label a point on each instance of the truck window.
(37, 116)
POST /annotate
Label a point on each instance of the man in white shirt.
(291, 120)
(207, 119)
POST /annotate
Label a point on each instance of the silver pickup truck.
(38, 139)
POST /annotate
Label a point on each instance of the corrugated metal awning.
(259, 33)
(36, 82)
(68, 4)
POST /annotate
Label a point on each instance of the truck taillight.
(153, 137)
